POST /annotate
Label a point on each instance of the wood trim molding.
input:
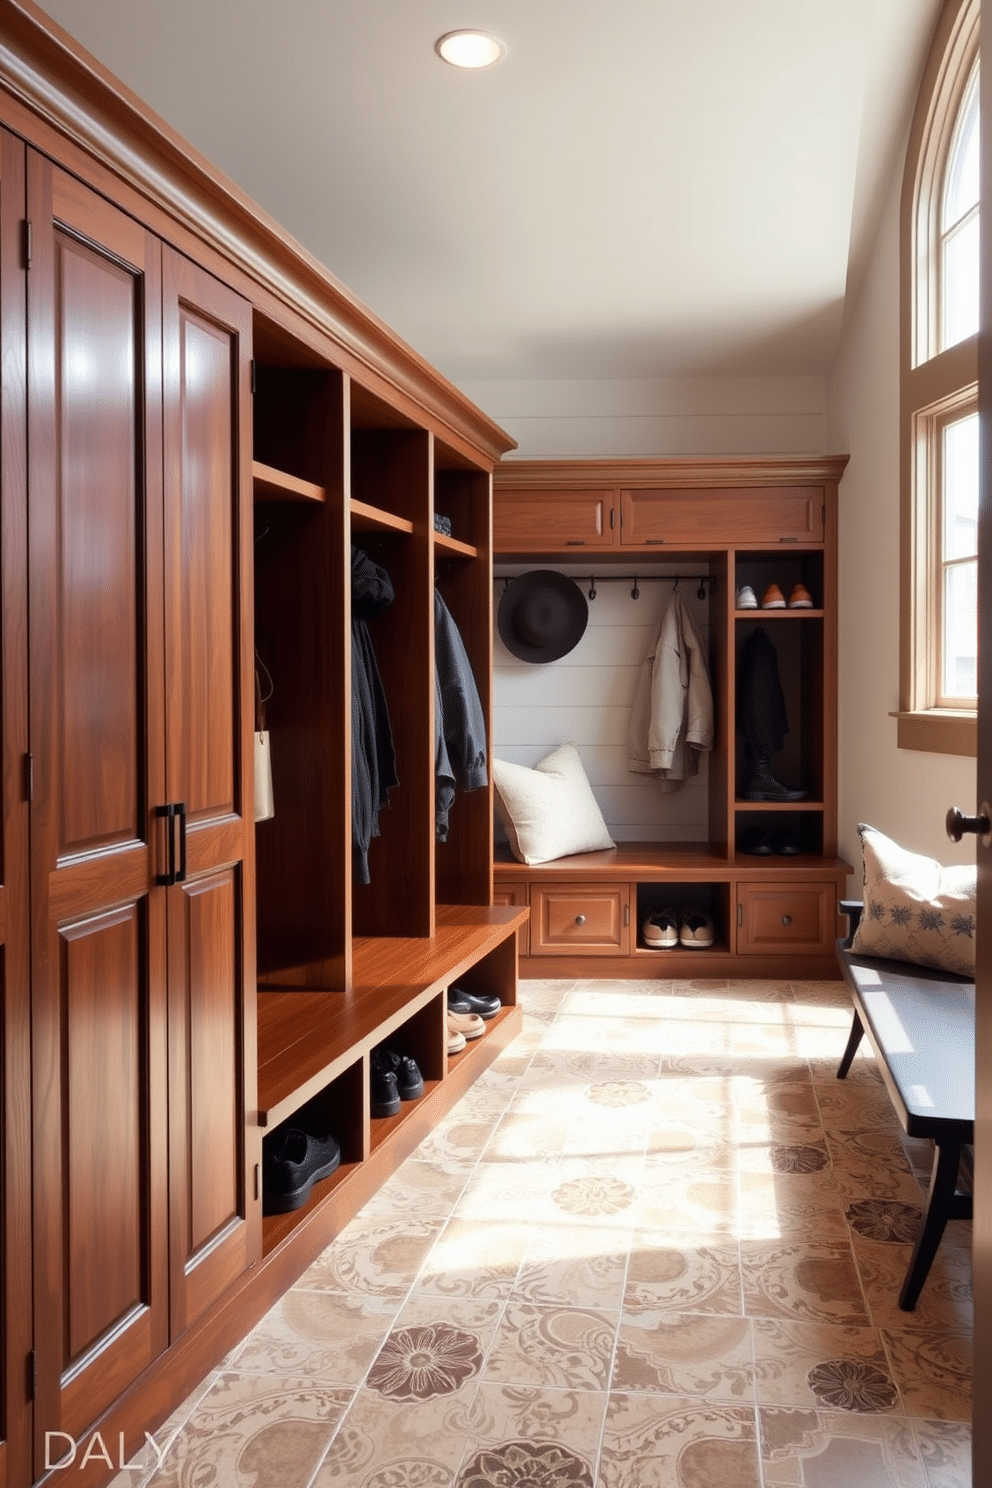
(100, 115)
(938, 732)
(768, 470)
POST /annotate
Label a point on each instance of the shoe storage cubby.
(710, 899)
(742, 522)
(779, 835)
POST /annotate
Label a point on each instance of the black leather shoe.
(384, 1093)
(292, 1164)
(484, 1004)
(406, 1072)
(786, 843)
(754, 840)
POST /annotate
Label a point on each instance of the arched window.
(939, 396)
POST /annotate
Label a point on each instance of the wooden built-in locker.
(197, 422)
(741, 522)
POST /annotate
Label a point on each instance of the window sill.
(938, 731)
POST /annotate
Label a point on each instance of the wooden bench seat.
(921, 1024)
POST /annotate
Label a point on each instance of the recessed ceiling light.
(470, 48)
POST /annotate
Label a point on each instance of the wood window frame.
(933, 383)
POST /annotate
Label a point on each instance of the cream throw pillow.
(915, 910)
(550, 811)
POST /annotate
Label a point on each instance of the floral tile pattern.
(658, 1244)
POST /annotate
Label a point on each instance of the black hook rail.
(638, 579)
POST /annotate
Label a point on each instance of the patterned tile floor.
(657, 1245)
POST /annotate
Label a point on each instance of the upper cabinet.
(536, 521)
(689, 516)
(553, 507)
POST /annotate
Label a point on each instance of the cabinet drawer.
(594, 918)
(786, 917)
(546, 521)
(773, 514)
(515, 894)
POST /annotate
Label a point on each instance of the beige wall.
(903, 793)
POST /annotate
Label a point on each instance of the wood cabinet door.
(784, 917)
(215, 1221)
(712, 518)
(592, 918)
(553, 521)
(98, 965)
(15, 1009)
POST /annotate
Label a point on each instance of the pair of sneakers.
(664, 929)
(774, 599)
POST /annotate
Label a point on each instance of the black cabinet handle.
(181, 814)
(174, 813)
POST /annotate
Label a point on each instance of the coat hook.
(635, 593)
(701, 591)
(592, 588)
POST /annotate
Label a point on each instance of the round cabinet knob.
(958, 824)
(580, 919)
(786, 919)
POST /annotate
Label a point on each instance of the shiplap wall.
(619, 417)
(585, 699)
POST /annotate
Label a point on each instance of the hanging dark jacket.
(761, 715)
(459, 721)
(373, 759)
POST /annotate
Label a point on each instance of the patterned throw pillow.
(915, 909)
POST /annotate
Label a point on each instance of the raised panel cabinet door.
(707, 518)
(784, 917)
(215, 1215)
(553, 521)
(96, 739)
(15, 1009)
(592, 918)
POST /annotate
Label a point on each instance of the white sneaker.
(746, 598)
(660, 930)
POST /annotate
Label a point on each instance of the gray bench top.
(922, 1025)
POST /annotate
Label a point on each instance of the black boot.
(761, 784)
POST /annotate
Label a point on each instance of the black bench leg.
(857, 1032)
(940, 1203)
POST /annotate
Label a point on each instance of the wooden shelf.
(786, 614)
(366, 518)
(805, 805)
(454, 547)
(276, 485)
(307, 1038)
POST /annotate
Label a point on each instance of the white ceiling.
(642, 188)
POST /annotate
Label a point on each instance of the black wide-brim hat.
(542, 615)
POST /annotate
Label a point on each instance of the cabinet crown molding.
(61, 84)
(736, 471)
